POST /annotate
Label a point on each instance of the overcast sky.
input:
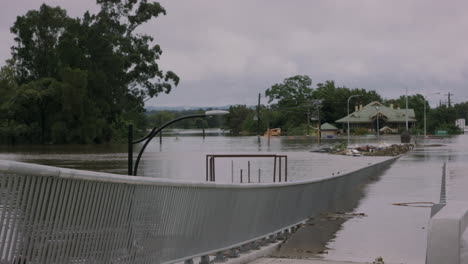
(226, 52)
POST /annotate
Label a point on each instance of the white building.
(460, 123)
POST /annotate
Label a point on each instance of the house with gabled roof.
(328, 130)
(387, 116)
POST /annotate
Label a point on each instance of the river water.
(184, 157)
(397, 233)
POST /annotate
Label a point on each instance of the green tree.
(461, 110)
(236, 117)
(8, 87)
(415, 102)
(291, 100)
(87, 77)
(36, 104)
(442, 118)
(296, 90)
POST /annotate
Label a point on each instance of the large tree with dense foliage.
(295, 90)
(87, 77)
(291, 98)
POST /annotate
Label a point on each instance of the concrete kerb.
(445, 230)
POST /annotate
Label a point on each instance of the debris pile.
(385, 150)
(369, 150)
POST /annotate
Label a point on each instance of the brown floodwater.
(184, 157)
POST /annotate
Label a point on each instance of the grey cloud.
(228, 51)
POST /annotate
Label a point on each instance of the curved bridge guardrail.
(57, 215)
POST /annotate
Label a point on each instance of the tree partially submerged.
(83, 79)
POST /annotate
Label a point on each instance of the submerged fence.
(56, 215)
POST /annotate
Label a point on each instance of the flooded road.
(397, 233)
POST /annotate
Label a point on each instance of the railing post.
(130, 149)
(274, 170)
(248, 170)
(279, 169)
(210, 161)
(286, 168)
(206, 168)
(214, 170)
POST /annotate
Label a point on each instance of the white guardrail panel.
(57, 215)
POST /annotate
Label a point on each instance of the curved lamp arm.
(155, 131)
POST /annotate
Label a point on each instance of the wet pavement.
(395, 232)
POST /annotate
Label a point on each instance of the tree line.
(293, 103)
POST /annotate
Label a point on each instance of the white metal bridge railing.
(56, 215)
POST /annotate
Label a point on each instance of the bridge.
(57, 215)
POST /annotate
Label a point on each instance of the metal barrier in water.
(55, 215)
(211, 166)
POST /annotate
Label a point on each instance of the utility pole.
(448, 99)
(406, 111)
(258, 115)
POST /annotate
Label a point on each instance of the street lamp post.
(378, 116)
(348, 112)
(154, 132)
(425, 117)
